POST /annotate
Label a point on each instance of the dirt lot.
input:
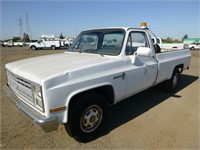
(152, 119)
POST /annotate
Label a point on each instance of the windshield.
(103, 42)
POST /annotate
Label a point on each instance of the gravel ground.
(151, 119)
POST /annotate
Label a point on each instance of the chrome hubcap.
(91, 118)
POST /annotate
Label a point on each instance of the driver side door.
(141, 70)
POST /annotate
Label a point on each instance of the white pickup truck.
(101, 68)
(43, 43)
(11, 43)
(194, 45)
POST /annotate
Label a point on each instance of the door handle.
(120, 76)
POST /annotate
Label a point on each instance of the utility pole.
(28, 28)
(21, 31)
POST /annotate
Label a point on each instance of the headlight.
(37, 94)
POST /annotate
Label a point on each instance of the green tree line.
(171, 40)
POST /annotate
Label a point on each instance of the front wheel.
(33, 48)
(192, 48)
(172, 84)
(87, 116)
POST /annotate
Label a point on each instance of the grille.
(20, 87)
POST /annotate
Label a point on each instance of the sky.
(166, 18)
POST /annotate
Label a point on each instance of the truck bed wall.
(167, 61)
(172, 46)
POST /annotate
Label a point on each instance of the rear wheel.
(172, 84)
(53, 47)
(87, 117)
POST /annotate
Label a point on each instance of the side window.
(135, 40)
(88, 42)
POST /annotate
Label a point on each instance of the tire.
(192, 48)
(88, 115)
(33, 48)
(172, 84)
(53, 47)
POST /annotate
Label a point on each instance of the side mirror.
(144, 51)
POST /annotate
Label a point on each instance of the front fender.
(79, 91)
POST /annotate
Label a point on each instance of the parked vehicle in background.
(8, 43)
(1, 44)
(194, 45)
(47, 41)
(167, 46)
(11, 43)
(19, 44)
(101, 68)
(68, 43)
(65, 42)
(42, 44)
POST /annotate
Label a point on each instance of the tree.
(185, 37)
(15, 39)
(26, 38)
(170, 40)
(61, 36)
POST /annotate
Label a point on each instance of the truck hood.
(39, 68)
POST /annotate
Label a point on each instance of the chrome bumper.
(47, 124)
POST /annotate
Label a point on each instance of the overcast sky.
(168, 18)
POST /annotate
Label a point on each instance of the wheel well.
(174, 47)
(180, 67)
(106, 91)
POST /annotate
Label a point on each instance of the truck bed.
(169, 59)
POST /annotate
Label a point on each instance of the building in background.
(191, 40)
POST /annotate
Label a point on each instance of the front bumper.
(47, 124)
